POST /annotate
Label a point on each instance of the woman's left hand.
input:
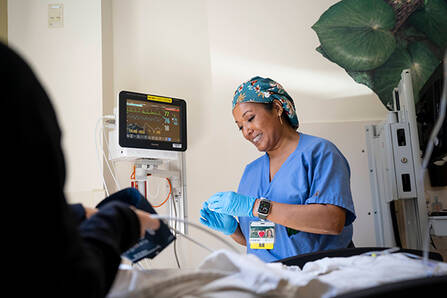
(231, 203)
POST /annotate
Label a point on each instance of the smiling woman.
(300, 187)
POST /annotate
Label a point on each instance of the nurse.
(300, 187)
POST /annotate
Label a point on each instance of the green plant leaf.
(361, 77)
(417, 57)
(320, 50)
(356, 34)
(432, 20)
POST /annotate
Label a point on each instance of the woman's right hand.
(224, 223)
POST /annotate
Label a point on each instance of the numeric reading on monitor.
(152, 121)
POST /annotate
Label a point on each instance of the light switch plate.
(56, 15)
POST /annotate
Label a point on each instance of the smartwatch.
(264, 208)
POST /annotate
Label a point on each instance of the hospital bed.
(301, 260)
(351, 271)
(428, 286)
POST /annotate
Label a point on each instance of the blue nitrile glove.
(232, 203)
(224, 223)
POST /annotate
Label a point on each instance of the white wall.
(68, 63)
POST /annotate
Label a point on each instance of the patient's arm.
(81, 213)
(239, 237)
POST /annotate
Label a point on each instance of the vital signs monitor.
(151, 122)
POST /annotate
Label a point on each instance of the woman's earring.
(280, 119)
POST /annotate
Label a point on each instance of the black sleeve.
(78, 212)
(93, 251)
(114, 225)
(51, 254)
(105, 236)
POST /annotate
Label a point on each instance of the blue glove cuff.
(232, 229)
(252, 203)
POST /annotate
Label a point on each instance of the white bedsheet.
(226, 274)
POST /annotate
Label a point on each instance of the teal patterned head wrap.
(265, 90)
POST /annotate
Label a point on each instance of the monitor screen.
(151, 121)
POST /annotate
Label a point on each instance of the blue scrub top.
(316, 172)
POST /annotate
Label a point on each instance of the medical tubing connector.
(157, 216)
(430, 145)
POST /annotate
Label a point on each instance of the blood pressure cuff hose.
(154, 241)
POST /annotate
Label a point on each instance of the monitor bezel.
(149, 144)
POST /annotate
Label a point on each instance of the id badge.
(262, 235)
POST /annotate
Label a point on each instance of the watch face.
(264, 207)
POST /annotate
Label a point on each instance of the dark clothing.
(55, 253)
(78, 212)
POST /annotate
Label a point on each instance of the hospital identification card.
(262, 235)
